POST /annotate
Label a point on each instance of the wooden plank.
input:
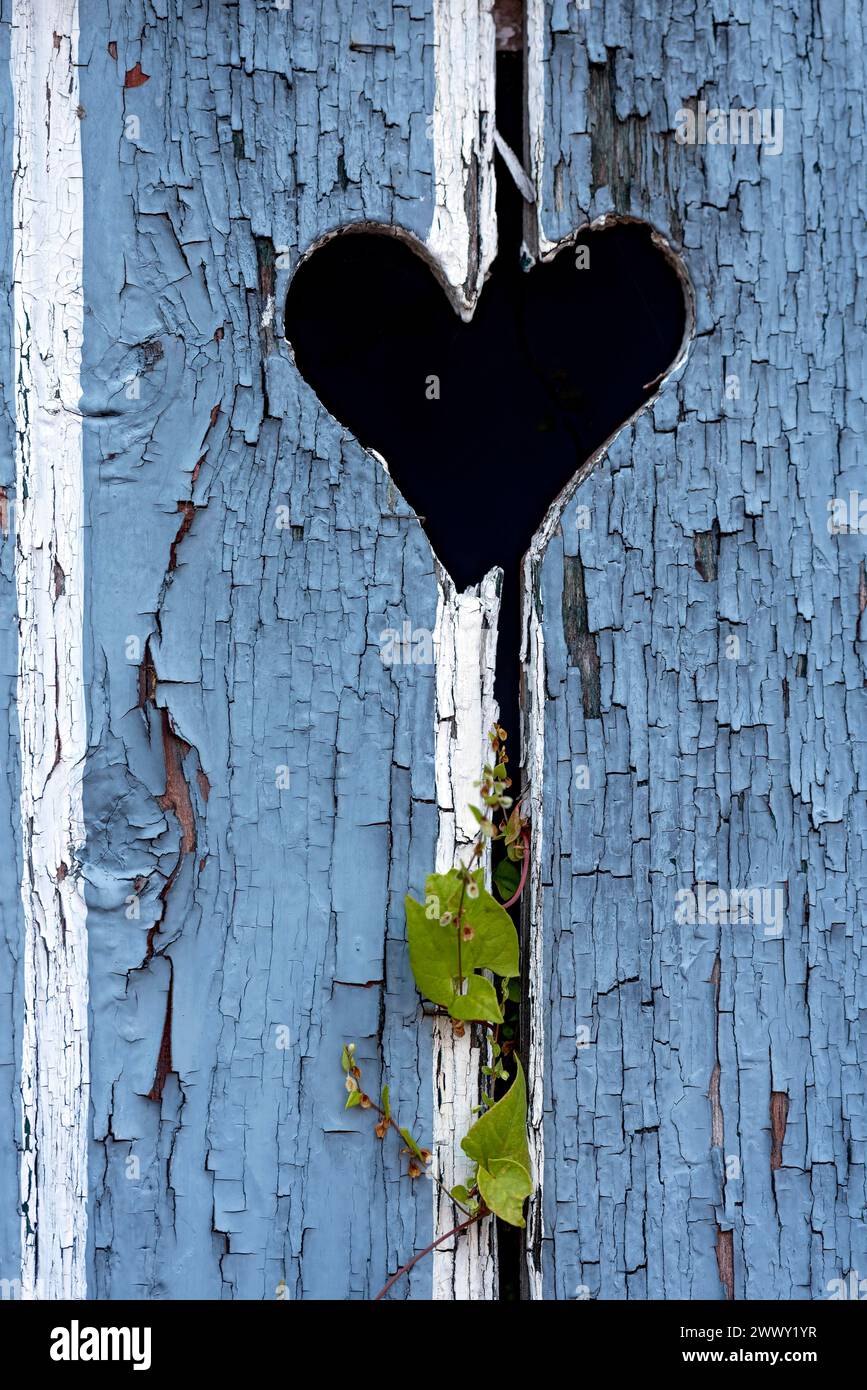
(698, 1096)
(262, 787)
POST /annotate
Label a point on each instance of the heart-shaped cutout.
(482, 424)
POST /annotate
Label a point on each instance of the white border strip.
(48, 238)
(535, 73)
(462, 243)
(465, 641)
(463, 145)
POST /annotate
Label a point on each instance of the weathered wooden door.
(216, 793)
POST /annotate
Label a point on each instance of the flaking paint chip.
(135, 77)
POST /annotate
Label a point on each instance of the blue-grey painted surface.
(271, 920)
(232, 1165)
(10, 840)
(664, 1174)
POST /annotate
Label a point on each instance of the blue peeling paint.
(747, 771)
(268, 915)
(280, 932)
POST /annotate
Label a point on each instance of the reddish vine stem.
(525, 864)
(390, 1120)
(404, 1269)
(458, 929)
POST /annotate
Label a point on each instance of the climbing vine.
(458, 938)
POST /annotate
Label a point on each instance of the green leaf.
(447, 887)
(354, 1098)
(385, 1107)
(460, 1193)
(514, 826)
(505, 1189)
(502, 1133)
(433, 954)
(479, 1001)
(433, 948)
(495, 943)
(497, 1142)
(507, 876)
(411, 1144)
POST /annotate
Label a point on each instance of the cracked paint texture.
(709, 1139)
(244, 557)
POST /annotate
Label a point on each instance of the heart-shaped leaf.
(505, 1188)
(497, 1142)
(445, 973)
(507, 876)
(479, 1001)
(494, 944)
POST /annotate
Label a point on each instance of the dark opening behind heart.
(483, 424)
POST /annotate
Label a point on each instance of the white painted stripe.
(463, 147)
(536, 70)
(465, 641)
(462, 243)
(48, 309)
